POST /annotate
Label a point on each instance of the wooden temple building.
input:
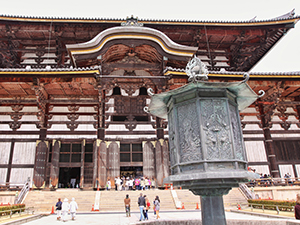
(72, 94)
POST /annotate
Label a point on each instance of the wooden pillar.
(165, 158)
(113, 160)
(40, 164)
(95, 164)
(159, 128)
(11, 155)
(54, 170)
(101, 113)
(148, 159)
(159, 163)
(102, 156)
(81, 184)
(266, 113)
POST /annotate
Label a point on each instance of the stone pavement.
(170, 217)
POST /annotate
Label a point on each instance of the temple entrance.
(69, 177)
(131, 171)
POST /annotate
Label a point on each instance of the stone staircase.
(190, 200)
(112, 200)
(43, 201)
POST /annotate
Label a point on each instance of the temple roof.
(229, 45)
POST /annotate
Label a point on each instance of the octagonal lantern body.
(205, 134)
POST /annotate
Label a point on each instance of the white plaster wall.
(252, 127)
(130, 136)
(297, 170)
(255, 151)
(29, 118)
(20, 175)
(30, 109)
(24, 153)
(71, 136)
(283, 169)
(3, 172)
(85, 127)
(5, 118)
(4, 152)
(19, 136)
(85, 118)
(144, 127)
(5, 109)
(264, 169)
(28, 127)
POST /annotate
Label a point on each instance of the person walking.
(73, 208)
(141, 204)
(147, 207)
(108, 185)
(157, 206)
(58, 209)
(65, 207)
(127, 205)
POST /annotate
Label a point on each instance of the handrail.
(269, 181)
(10, 212)
(246, 191)
(23, 192)
(277, 207)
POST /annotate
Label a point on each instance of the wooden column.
(148, 160)
(95, 165)
(101, 115)
(159, 128)
(82, 164)
(266, 113)
(102, 158)
(54, 170)
(11, 155)
(165, 158)
(159, 163)
(113, 159)
(40, 164)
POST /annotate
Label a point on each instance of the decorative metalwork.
(132, 22)
(261, 93)
(196, 70)
(190, 144)
(150, 91)
(216, 128)
(236, 129)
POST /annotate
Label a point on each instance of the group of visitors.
(125, 184)
(144, 205)
(63, 208)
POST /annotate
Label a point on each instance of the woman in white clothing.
(65, 209)
(73, 208)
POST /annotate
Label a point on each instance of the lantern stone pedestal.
(206, 145)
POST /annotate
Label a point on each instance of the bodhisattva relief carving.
(216, 128)
(190, 144)
(238, 144)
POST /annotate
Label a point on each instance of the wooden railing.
(263, 182)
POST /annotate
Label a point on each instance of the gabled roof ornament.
(287, 15)
(132, 22)
(196, 70)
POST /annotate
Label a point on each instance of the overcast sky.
(284, 57)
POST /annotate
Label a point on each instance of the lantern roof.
(245, 96)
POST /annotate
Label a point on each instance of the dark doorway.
(131, 171)
(69, 177)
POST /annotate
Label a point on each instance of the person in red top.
(297, 208)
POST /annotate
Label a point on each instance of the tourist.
(297, 207)
(141, 204)
(58, 209)
(137, 184)
(127, 205)
(65, 209)
(73, 208)
(153, 183)
(142, 184)
(147, 207)
(118, 183)
(157, 206)
(131, 184)
(108, 185)
(116, 186)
